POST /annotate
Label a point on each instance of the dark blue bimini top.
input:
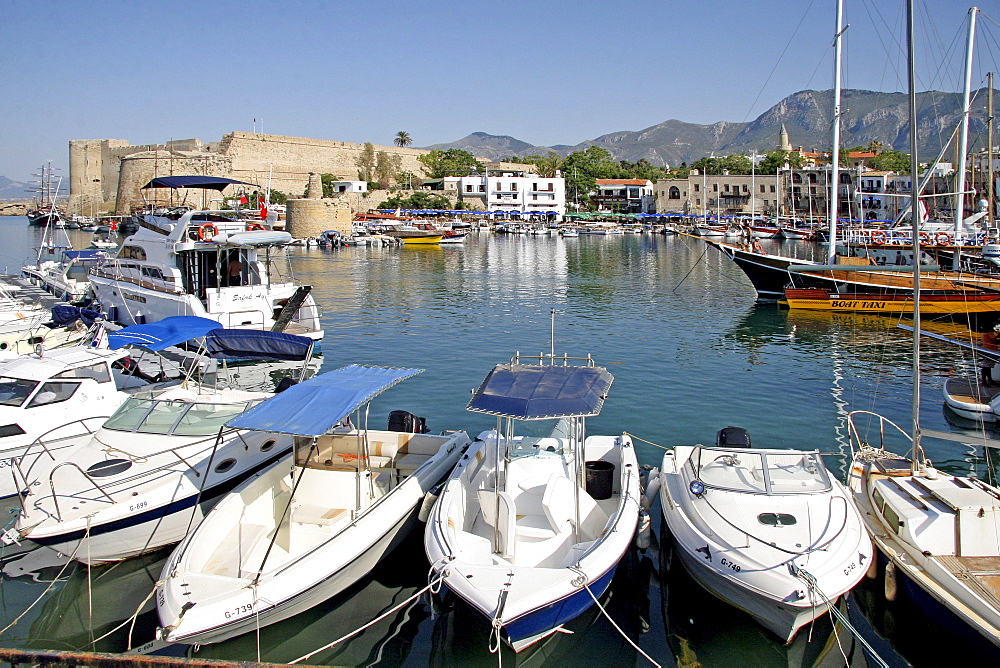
(87, 254)
(242, 344)
(313, 408)
(206, 182)
(162, 334)
(534, 392)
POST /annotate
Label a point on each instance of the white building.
(350, 186)
(513, 191)
(625, 196)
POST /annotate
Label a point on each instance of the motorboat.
(59, 332)
(770, 531)
(150, 472)
(308, 527)
(68, 278)
(210, 264)
(938, 535)
(976, 398)
(528, 531)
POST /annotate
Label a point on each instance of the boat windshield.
(761, 471)
(13, 391)
(179, 418)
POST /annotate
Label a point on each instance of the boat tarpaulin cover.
(534, 392)
(64, 314)
(257, 344)
(163, 333)
(314, 407)
(87, 254)
(207, 182)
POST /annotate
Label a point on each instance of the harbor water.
(691, 351)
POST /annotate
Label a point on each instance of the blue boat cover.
(163, 333)
(206, 182)
(242, 344)
(313, 408)
(535, 392)
(87, 254)
(64, 314)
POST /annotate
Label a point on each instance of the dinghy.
(306, 528)
(153, 469)
(769, 531)
(528, 531)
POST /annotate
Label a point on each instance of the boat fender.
(652, 487)
(430, 498)
(872, 571)
(891, 586)
(642, 533)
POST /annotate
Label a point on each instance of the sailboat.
(937, 535)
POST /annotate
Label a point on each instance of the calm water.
(691, 352)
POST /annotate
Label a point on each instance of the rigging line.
(618, 628)
(697, 262)
(791, 40)
(388, 612)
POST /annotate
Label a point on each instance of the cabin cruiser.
(210, 264)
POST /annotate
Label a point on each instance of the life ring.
(879, 237)
(925, 237)
(255, 227)
(207, 231)
(942, 239)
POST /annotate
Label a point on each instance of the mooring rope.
(657, 445)
(371, 623)
(618, 628)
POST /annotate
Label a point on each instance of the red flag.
(243, 198)
(263, 208)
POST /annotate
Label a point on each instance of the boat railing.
(42, 443)
(884, 428)
(55, 499)
(552, 359)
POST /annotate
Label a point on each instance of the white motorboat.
(528, 531)
(306, 528)
(210, 264)
(769, 531)
(152, 470)
(973, 399)
(68, 278)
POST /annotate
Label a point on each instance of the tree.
(453, 162)
(418, 200)
(775, 160)
(547, 165)
(402, 138)
(891, 161)
(386, 168)
(875, 146)
(366, 162)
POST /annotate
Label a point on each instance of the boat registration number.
(238, 611)
(138, 506)
(847, 571)
(726, 562)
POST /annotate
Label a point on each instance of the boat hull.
(818, 299)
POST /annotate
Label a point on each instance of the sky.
(546, 72)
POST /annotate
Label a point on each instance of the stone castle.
(107, 174)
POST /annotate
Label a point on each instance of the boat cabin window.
(53, 392)
(761, 472)
(152, 272)
(98, 372)
(13, 391)
(132, 253)
(181, 418)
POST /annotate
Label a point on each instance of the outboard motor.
(407, 422)
(733, 437)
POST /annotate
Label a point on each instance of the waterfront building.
(624, 196)
(511, 191)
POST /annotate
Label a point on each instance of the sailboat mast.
(989, 152)
(915, 215)
(835, 158)
(963, 145)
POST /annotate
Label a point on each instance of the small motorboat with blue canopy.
(529, 530)
(308, 527)
(152, 470)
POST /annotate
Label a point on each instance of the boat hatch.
(180, 418)
(761, 471)
(777, 519)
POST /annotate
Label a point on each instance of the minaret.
(783, 143)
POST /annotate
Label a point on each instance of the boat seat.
(503, 518)
(558, 502)
(410, 462)
(318, 515)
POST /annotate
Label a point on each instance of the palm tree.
(402, 138)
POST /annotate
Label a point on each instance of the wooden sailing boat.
(937, 535)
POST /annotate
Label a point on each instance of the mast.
(915, 208)
(835, 158)
(963, 146)
(989, 151)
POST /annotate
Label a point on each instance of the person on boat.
(235, 271)
(990, 341)
(756, 247)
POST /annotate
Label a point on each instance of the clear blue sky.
(546, 72)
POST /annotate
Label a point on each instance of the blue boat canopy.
(87, 254)
(254, 344)
(535, 392)
(163, 333)
(207, 182)
(313, 408)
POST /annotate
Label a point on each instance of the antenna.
(552, 336)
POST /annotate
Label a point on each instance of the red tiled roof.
(622, 182)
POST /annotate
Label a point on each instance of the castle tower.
(783, 143)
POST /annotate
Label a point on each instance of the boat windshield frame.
(174, 417)
(802, 471)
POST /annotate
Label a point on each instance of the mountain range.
(16, 190)
(867, 116)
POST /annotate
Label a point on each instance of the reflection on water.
(676, 323)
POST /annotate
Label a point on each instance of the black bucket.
(600, 479)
